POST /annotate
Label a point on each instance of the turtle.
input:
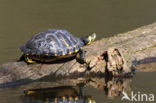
(55, 44)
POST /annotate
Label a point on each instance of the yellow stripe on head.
(90, 39)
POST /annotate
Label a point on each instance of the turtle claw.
(88, 65)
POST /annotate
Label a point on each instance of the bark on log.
(109, 54)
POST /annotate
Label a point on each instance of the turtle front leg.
(81, 58)
(28, 59)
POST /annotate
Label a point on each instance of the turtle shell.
(54, 42)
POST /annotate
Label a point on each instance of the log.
(99, 62)
(113, 55)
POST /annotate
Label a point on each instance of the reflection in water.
(77, 93)
(62, 94)
(115, 87)
(112, 87)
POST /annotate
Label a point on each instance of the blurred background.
(21, 19)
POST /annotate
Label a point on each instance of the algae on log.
(133, 45)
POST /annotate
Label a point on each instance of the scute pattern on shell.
(52, 41)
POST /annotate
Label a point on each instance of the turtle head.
(88, 39)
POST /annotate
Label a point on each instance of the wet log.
(113, 55)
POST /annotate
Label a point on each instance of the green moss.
(120, 42)
(123, 41)
(153, 46)
(15, 68)
(111, 45)
(141, 50)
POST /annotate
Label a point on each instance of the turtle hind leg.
(28, 59)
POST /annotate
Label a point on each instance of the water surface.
(99, 89)
(21, 19)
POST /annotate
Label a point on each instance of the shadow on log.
(146, 64)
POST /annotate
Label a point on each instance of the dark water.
(99, 90)
(21, 19)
